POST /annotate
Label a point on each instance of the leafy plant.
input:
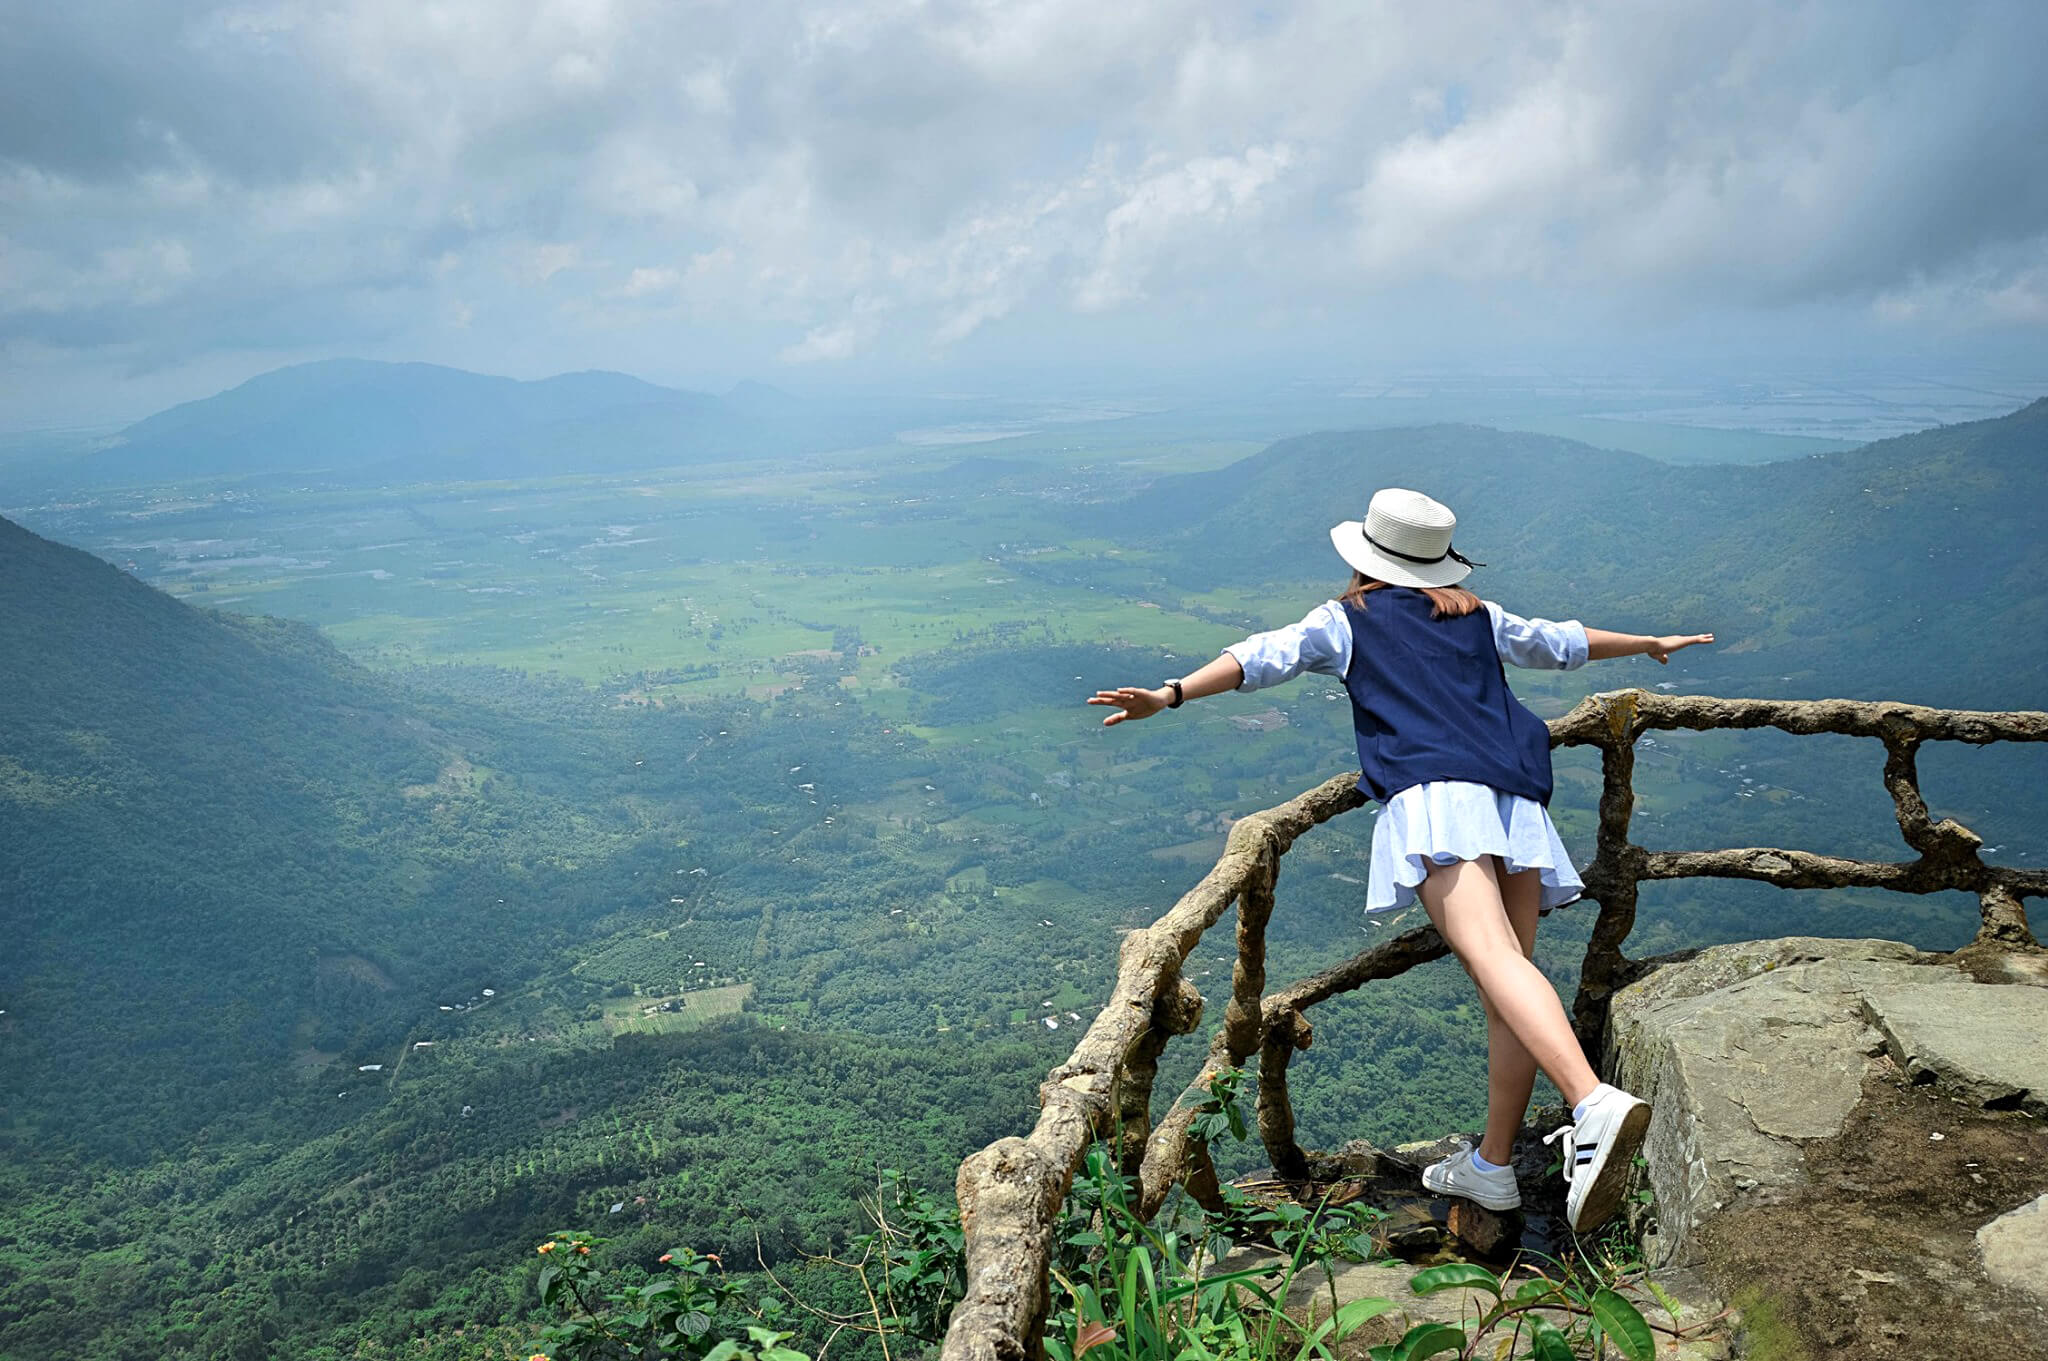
(921, 1254)
(1222, 1114)
(681, 1314)
(1594, 1316)
(1139, 1291)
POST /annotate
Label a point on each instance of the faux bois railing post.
(1011, 1191)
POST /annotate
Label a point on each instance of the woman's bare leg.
(1510, 1071)
(1464, 901)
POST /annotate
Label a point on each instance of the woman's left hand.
(1130, 702)
(1660, 649)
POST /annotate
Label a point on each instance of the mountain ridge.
(1933, 535)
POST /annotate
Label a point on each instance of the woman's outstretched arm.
(1601, 644)
(1131, 701)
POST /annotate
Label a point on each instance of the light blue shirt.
(1321, 643)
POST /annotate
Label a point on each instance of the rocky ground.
(1876, 1253)
(1849, 1148)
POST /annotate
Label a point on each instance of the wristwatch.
(1179, 698)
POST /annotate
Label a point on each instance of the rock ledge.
(1752, 1050)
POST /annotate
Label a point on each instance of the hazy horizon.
(1033, 199)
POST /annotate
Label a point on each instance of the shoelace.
(1466, 1149)
(1560, 1132)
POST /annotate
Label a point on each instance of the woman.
(1461, 771)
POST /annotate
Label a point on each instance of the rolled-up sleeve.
(1538, 644)
(1321, 643)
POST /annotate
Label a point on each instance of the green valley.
(399, 872)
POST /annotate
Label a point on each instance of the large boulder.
(1847, 1139)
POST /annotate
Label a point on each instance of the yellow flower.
(545, 1248)
(538, 1356)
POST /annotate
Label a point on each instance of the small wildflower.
(538, 1356)
(545, 1248)
(583, 1249)
(714, 1257)
(667, 1257)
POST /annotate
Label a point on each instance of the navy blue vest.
(1430, 701)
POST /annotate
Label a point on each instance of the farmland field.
(948, 604)
(652, 1015)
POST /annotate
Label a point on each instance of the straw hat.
(1404, 540)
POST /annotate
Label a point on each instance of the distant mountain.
(1918, 560)
(357, 420)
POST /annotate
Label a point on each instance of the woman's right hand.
(1130, 701)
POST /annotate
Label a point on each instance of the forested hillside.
(189, 798)
(248, 885)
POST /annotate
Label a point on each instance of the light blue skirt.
(1450, 820)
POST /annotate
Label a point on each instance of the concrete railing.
(1011, 1192)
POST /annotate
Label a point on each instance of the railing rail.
(1010, 1193)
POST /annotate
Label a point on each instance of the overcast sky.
(885, 191)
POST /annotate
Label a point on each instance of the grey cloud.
(885, 177)
(1836, 152)
(105, 91)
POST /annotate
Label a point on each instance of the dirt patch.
(355, 966)
(1876, 1256)
(455, 778)
(1188, 852)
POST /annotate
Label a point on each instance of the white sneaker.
(1456, 1176)
(1601, 1147)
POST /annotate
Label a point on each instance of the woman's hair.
(1446, 602)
